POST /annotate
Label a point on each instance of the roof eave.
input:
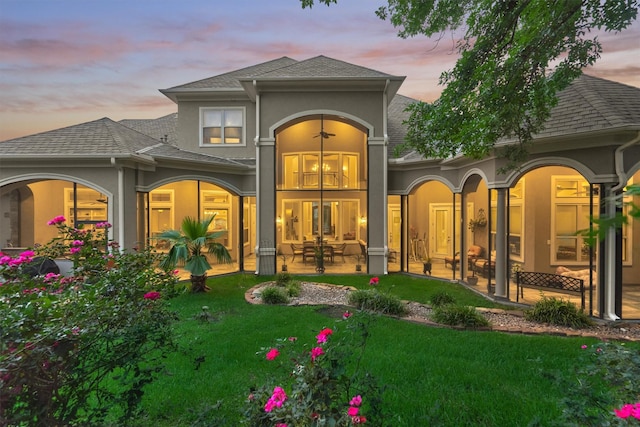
(182, 94)
(253, 86)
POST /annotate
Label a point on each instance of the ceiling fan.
(324, 134)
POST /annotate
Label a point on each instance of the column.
(377, 207)
(266, 207)
(502, 279)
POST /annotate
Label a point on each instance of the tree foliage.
(514, 57)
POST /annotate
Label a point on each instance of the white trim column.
(502, 279)
(609, 284)
(377, 206)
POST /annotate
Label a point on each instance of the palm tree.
(188, 245)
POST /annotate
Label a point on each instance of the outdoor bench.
(552, 282)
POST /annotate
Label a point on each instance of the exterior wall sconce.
(363, 220)
(279, 220)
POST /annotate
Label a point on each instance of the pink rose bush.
(628, 411)
(315, 390)
(54, 337)
(601, 388)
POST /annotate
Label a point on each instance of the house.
(287, 153)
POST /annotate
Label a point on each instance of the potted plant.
(319, 253)
(426, 265)
(472, 280)
(189, 244)
(358, 265)
(426, 261)
(479, 222)
(284, 259)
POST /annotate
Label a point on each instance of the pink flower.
(281, 425)
(103, 225)
(153, 295)
(356, 401)
(77, 243)
(346, 315)
(293, 339)
(50, 277)
(358, 420)
(27, 254)
(75, 250)
(584, 346)
(57, 220)
(315, 352)
(374, 281)
(272, 354)
(276, 400)
(322, 336)
(353, 411)
(628, 410)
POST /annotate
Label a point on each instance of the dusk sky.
(64, 62)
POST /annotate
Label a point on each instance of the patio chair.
(296, 250)
(339, 250)
(309, 252)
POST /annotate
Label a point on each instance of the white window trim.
(281, 230)
(201, 111)
(301, 170)
(228, 206)
(101, 209)
(163, 205)
(566, 201)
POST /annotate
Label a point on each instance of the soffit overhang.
(200, 94)
(254, 87)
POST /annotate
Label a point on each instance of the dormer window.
(222, 126)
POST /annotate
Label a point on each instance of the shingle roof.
(322, 67)
(98, 138)
(396, 130)
(593, 104)
(160, 128)
(168, 152)
(231, 79)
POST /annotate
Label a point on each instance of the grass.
(433, 376)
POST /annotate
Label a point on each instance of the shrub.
(459, 315)
(558, 311)
(373, 300)
(274, 295)
(605, 379)
(79, 350)
(293, 288)
(283, 278)
(442, 298)
(321, 384)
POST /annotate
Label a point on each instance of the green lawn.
(433, 376)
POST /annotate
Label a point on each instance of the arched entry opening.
(433, 222)
(169, 204)
(321, 194)
(27, 206)
(547, 207)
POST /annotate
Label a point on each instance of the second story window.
(222, 126)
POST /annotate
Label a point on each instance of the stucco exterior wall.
(189, 128)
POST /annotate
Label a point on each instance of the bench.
(552, 282)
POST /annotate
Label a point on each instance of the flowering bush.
(324, 387)
(605, 383)
(629, 411)
(78, 349)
